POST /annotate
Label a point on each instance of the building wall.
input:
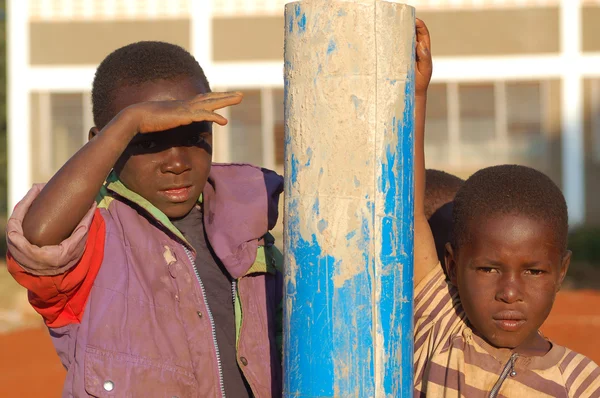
(591, 28)
(493, 121)
(88, 42)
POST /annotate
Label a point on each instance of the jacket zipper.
(233, 294)
(233, 287)
(212, 322)
(509, 368)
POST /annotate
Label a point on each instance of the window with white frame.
(254, 133)
(478, 124)
(245, 129)
(437, 137)
(67, 126)
(60, 125)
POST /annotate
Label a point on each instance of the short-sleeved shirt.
(452, 361)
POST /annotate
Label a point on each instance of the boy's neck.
(536, 346)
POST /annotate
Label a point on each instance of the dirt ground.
(29, 366)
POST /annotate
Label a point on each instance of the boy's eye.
(487, 270)
(535, 271)
(146, 145)
(196, 139)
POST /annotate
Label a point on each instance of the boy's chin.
(501, 339)
(175, 212)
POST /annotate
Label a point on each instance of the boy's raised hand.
(424, 65)
(155, 116)
(425, 255)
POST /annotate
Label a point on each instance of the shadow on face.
(168, 168)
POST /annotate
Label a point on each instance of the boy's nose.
(509, 290)
(176, 160)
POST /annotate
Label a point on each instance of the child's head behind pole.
(440, 189)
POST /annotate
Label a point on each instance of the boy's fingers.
(423, 54)
(217, 94)
(206, 116)
(214, 96)
(218, 102)
(423, 33)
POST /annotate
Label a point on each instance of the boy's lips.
(177, 194)
(510, 321)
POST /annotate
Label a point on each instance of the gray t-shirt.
(218, 289)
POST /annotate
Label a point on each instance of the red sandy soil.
(29, 366)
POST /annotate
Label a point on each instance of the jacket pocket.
(113, 374)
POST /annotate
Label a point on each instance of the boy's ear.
(564, 267)
(93, 132)
(450, 264)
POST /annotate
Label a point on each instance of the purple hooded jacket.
(144, 328)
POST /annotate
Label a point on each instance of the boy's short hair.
(510, 189)
(135, 64)
(440, 189)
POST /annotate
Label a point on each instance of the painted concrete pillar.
(349, 81)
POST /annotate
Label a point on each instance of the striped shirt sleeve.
(581, 375)
(438, 316)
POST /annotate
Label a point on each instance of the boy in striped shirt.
(477, 334)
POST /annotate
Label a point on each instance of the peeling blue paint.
(397, 233)
(309, 153)
(316, 206)
(356, 182)
(302, 24)
(356, 101)
(312, 368)
(350, 235)
(365, 231)
(300, 18)
(294, 169)
(342, 13)
(323, 224)
(331, 47)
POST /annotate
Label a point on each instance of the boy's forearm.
(67, 197)
(425, 256)
(419, 154)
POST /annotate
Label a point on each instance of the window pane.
(524, 108)
(436, 135)
(245, 138)
(68, 131)
(477, 113)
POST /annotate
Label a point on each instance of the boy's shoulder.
(580, 374)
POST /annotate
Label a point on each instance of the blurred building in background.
(515, 81)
